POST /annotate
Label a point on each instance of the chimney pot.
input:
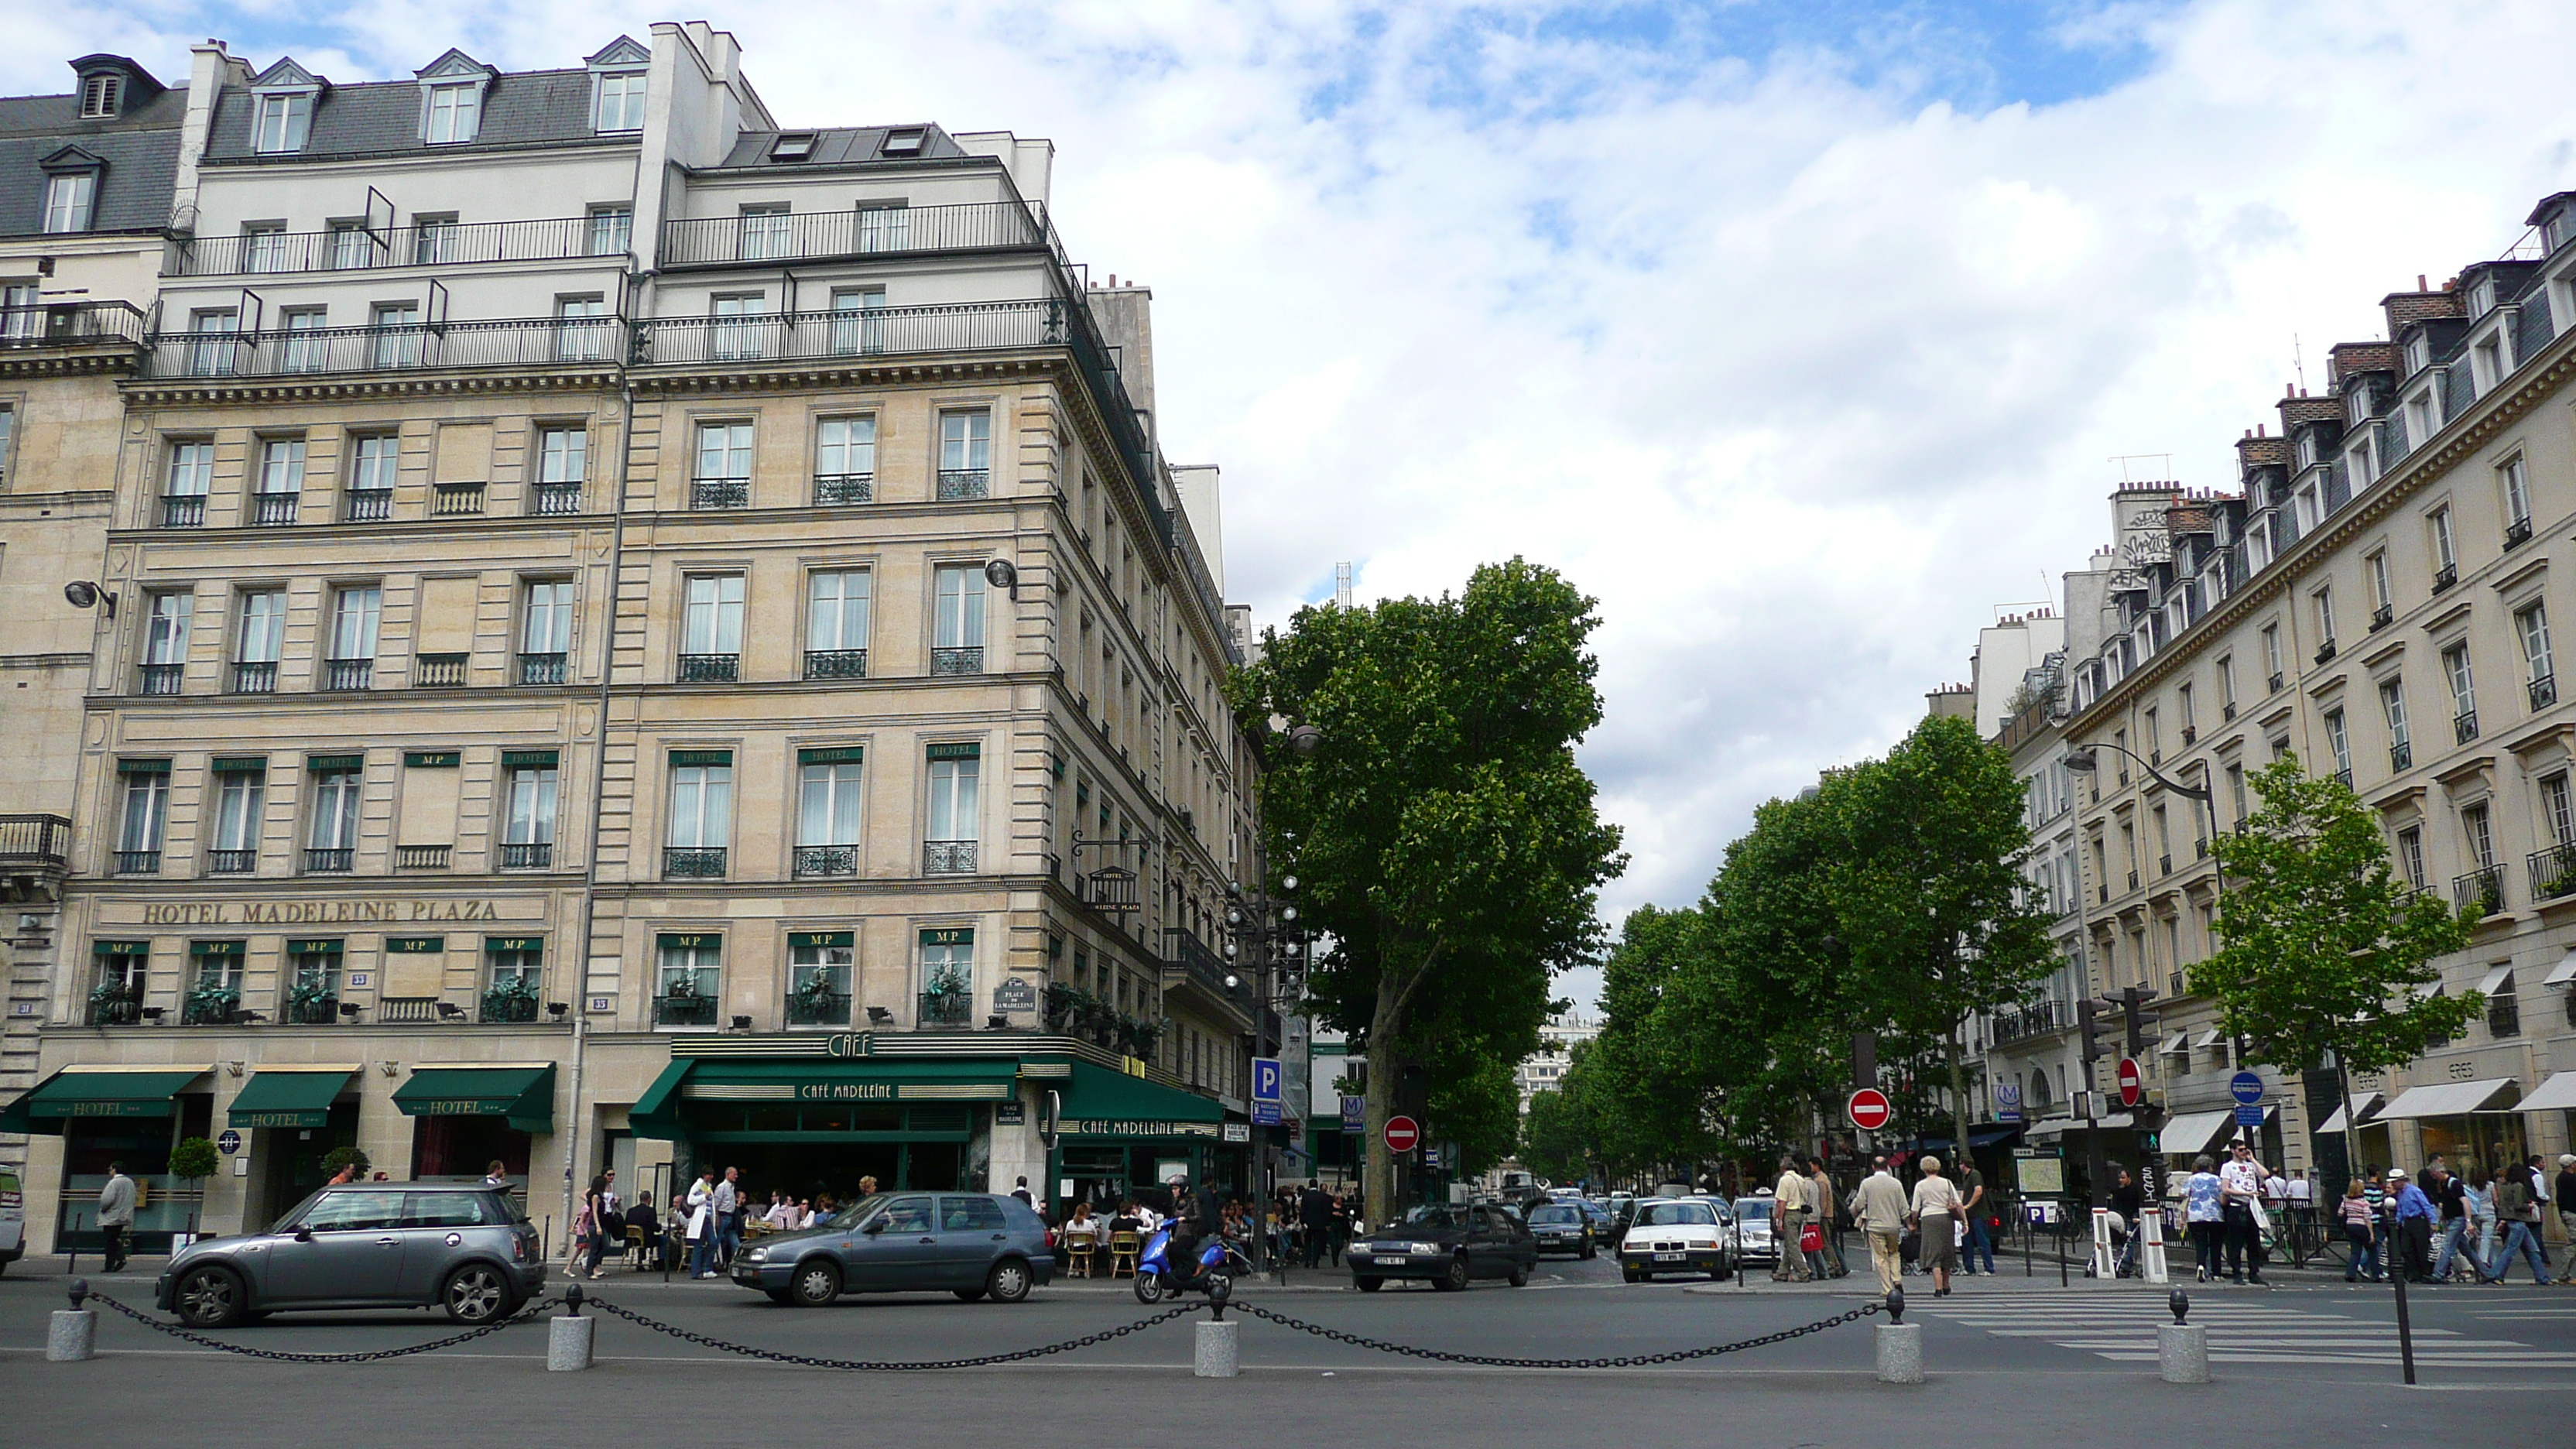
(2419, 281)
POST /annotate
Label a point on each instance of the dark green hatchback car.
(973, 1244)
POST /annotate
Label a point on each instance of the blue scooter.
(1155, 1278)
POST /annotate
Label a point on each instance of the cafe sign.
(1133, 1127)
(845, 1091)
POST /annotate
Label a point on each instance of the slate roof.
(520, 108)
(839, 144)
(60, 115)
(140, 152)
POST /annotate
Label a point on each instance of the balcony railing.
(946, 1008)
(255, 676)
(1186, 955)
(2164, 865)
(827, 860)
(2382, 617)
(409, 347)
(2273, 684)
(438, 671)
(2326, 651)
(2464, 726)
(183, 511)
(878, 331)
(2448, 575)
(406, 1010)
(2227, 711)
(2481, 888)
(957, 485)
(541, 669)
(72, 324)
(275, 510)
(446, 243)
(694, 862)
(684, 1011)
(2553, 871)
(554, 500)
(2517, 533)
(330, 860)
(528, 855)
(163, 678)
(2037, 1019)
(836, 664)
(834, 489)
(2544, 692)
(368, 505)
(2401, 758)
(138, 862)
(348, 673)
(422, 857)
(957, 661)
(818, 1008)
(2343, 776)
(456, 500)
(231, 862)
(719, 493)
(802, 236)
(710, 668)
(948, 857)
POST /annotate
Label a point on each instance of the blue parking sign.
(1266, 1079)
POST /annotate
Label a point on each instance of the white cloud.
(1797, 373)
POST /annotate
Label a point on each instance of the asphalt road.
(2318, 1357)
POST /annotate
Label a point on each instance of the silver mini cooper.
(458, 1246)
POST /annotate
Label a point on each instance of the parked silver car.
(973, 1244)
(461, 1247)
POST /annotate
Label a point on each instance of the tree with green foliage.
(2323, 956)
(1447, 842)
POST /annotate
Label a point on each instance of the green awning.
(1103, 1103)
(272, 1098)
(73, 1092)
(525, 1095)
(657, 1113)
(712, 1079)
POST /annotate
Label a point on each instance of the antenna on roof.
(2298, 364)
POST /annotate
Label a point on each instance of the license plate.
(1671, 1257)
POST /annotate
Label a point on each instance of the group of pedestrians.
(2442, 1227)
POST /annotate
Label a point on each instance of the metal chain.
(1630, 1361)
(809, 1361)
(527, 1314)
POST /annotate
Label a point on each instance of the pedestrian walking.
(599, 1208)
(2240, 1190)
(1972, 1200)
(496, 1175)
(1788, 1223)
(116, 1216)
(728, 1224)
(2518, 1210)
(1937, 1211)
(2451, 1200)
(2540, 1191)
(2202, 1210)
(1315, 1217)
(1879, 1206)
(1828, 1217)
(702, 1231)
(2128, 1203)
(2359, 1231)
(2411, 1212)
(1021, 1191)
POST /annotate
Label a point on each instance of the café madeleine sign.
(315, 913)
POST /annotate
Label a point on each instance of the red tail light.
(1050, 1239)
(518, 1247)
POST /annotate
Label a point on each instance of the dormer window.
(2482, 297)
(455, 114)
(620, 101)
(2307, 450)
(102, 95)
(70, 197)
(2357, 403)
(280, 123)
(795, 146)
(2419, 353)
(904, 142)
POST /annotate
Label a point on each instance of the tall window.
(356, 611)
(2446, 550)
(957, 647)
(146, 808)
(2464, 691)
(210, 346)
(2183, 712)
(818, 981)
(280, 123)
(261, 643)
(2325, 615)
(691, 976)
(332, 844)
(545, 630)
(581, 328)
(723, 475)
(764, 233)
(307, 349)
(2272, 653)
(739, 332)
(398, 337)
(2401, 744)
(2382, 601)
(955, 771)
(845, 460)
(314, 997)
(265, 245)
(352, 246)
(68, 198)
(374, 462)
(241, 792)
(2516, 481)
(858, 323)
(948, 977)
(612, 230)
(515, 969)
(2410, 855)
(528, 830)
(2236, 790)
(827, 811)
(2481, 838)
(2340, 743)
(701, 813)
(455, 114)
(281, 480)
(2227, 682)
(711, 628)
(2532, 625)
(436, 240)
(884, 228)
(563, 465)
(965, 454)
(22, 314)
(165, 642)
(836, 624)
(621, 102)
(2556, 803)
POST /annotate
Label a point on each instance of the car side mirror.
(303, 1234)
(874, 1227)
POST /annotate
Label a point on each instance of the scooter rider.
(1194, 1217)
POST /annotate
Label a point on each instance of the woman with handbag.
(1938, 1214)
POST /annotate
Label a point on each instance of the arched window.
(2038, 1094)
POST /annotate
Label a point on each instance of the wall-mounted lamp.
(82, 594)
(450, 1011)
(556, 1009)
(997, 1022)
(879, 1016)
(154, 1014)
(742, 1023)
(1001, 575)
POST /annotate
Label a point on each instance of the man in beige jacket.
(1879, 1206)
(1789, 1217)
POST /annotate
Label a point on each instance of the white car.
(13, 1221)
(1676, 1235)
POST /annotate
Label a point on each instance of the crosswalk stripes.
(2123, 1330)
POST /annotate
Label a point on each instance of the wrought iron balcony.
(554, 500)
(2481, 888)
(528, 855)
(368, 505)
(2553, 871)
(348, 674)
(876, 332)
(231, 862)
(827, 860)
(719, 493)
(2382, 617)
(946, 1008)
(2517, 533)
(871, 231)
(2039, 1018)
(2273, 684)
(1186, 956)
(684, 1011)
(273, 510)
(411, 347)
(694, 862)
(71, 324)
(2448, 575)
(2464, 726)
(2164, 865)
(818, 1008)
(541, 668)
(2343, 777)
(948, 857)
(320, 1011)
(443, 243)
(138, 862)
(2326, 651)
(456, 500)
(422, 857)
(502, 1004)
(255, 676)
(836, 664)
(2227, 711)
(163, 678)
(957, 661)
(2544, 692)
(835, 489)
(330, 860)
(183, 511)
(2133, 880)
(2401, 758)
(961, 484)
(438, 671)
(710, 668)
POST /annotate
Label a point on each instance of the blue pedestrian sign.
(2250, 1115)
(2246, 1088)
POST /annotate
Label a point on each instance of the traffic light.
(2084, 1018)
(2133, 1015)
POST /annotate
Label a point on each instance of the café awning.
(2190, 1133)
(2558, 1094)
(2452, 1099)
(288, 1097)
(97, 1091)
(714, 1079)
(2365, 1108)
(1103, 1103)
(524, 1093)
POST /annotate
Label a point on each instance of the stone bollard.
(1217, 1355)
(72, 1337)
(2182, 1349)
(569, 1337)
(1899, 1343)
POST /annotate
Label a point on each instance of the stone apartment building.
(646, 637)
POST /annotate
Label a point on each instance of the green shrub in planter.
(193, 1159)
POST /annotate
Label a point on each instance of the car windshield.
(291, 1214)
(1556, 1213)
(1678, 1214)
(1435, 1216)
(857, 1212)
(1753, 1209)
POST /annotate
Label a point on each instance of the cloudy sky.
(1802, 333)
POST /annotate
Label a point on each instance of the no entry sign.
(1869, 1110)
(1403, 1134)
(2133, 1083)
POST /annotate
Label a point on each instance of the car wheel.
(1455, 1280)
(1009, 1281)
(1368, 1285)
(1149, 1288)
(209, 1298)
(968, 1295)
(781, 1297)
(476, 1293)
(1518, 1277)
(816, 1283)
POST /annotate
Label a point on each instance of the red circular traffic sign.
(1403, 1134)
(2133, 1083)
(1869, 1109)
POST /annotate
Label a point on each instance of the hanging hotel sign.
(315, 913)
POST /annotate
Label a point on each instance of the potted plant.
(111, 1003)
(311, 1003)
(353, 1158)
(210, 1005)
(511, 998)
